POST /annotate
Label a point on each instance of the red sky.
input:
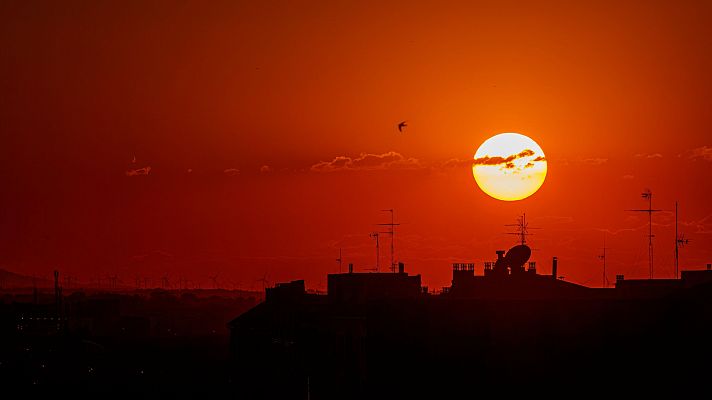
(618, 96)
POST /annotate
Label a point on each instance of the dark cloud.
(529, 165)
(525, 153)
(487, 160)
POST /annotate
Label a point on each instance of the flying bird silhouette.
(401, 126)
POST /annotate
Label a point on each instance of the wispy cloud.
(702, 225)
(582, 161)
(701, 153)
(554, 219)
(651, 155)
(595, 161)
(265, 169)
(366, 161)
(231, 172)
(138, 171)
(454, 163)
(621, 230)
(628, 177)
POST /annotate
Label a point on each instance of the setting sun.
(509, 166)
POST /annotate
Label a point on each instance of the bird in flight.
(402, 126)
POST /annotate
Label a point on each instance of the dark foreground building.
(382, 335)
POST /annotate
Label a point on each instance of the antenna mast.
(392, 232)
(374, 235)
(647, 194)
(603, 257)
(680, 241)
(339, 260)
(522, 229)
(214, 278)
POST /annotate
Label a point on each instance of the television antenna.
(374, 235)
(165, 282)
(214, 278)
(391, 231)
(264, 280)
(522, 229)
(339, 260)
(602, 257)
(680, 241)
(647, 194)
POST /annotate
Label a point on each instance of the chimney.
(401, 268)
(532, 267)
(500, 254)
(554, 265)
(351, 268)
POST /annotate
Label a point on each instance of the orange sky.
(616, 95)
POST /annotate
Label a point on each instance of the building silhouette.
(383, 335)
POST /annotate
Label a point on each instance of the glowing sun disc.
(509, 166)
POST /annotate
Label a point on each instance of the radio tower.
(392, 232)
(647, 194)
(374, 235)
(680, 241)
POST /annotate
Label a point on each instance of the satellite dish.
(517, 256)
